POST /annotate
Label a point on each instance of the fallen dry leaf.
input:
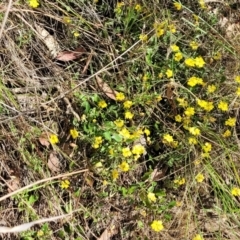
(53, 163)
(66, 56)
(106, 88)
(43, 139)
(108, 233)
(13, 184)
(48, 40)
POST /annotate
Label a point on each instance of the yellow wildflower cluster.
(194, 131)
(189, 112)
(182, 102)
(53, 139)
(124, 166)
(157, 226)
(207, 147)
(169, 73)
(74, 133)
(97, 142)
(235, 191)
(207, 106)
(193, 81)
(33, 3)
(180, 181)
(178, 55)
(195, 62)
(138, 8)
(65, 184)
(168, 140)
(198, 237)
(159, 28)
(230, 122)
(194, 45)
(199, 178)
(120, 96)
(151, 197)
(223, 106)
(119, 7)
(102, 104)
(177, 5)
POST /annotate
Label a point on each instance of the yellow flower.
(199, 178)
(217, 56)
(202, 4)
(120, 96)
(160, 75)
(105, 182)
(76, 34)
(190, 62)
(65, 184)
(174, 48)
(159, 32)
(198, 237)
(235, 191)
(127, 104)
(33, 3)
(138, 8)
(125, 133)
(97, 142)
(194, 131)
(40, 233)
(238, 91)
(145, 77)
(223, 106)
(182, 102)
(194, 45)
(230, 122)
(199, 62)
(227, 134)
(177, 5)
(189, 111)
(74, 133)
(167, 138)
(172, 28)
(207, 147)
(138, 149)
(237, 79)
(126, 152)
(169, 73)
(102, 104)
(157, 226)
(119, 123)
(192, 140)
(129, 115)
(180, 181)
(115, 174)
(211, 88)
(178, 118)
(124, 166)
(53, 139)
(207, 106)
(151, 197)
(178, 56)
(147, 132)
(192, 81)
(143, 37)
(67, 19)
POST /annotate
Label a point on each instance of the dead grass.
(40, 96)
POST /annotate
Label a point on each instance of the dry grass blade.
(26, 226)
(48, 40)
